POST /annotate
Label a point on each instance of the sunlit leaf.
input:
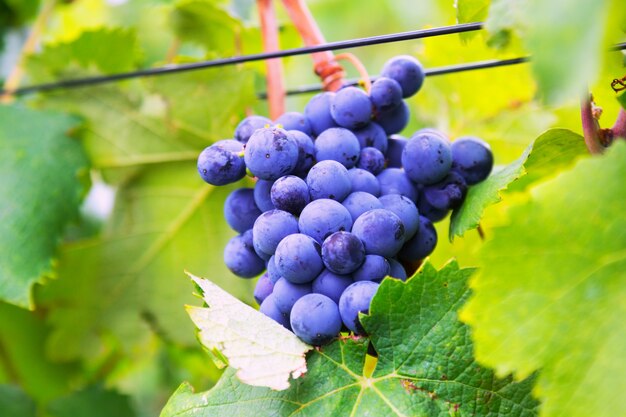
(43, 173)
(263, 352)
(425, 366)
(550, 290)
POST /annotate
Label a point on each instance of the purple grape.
(295, 121)
(372, 135)
(220, 165)
(323, 217)
(372, 160)
(359, 202)
(405, 209)
(286, 293)
(385, 94)
(240, 210)
(240, 257)
(374, 268)
(394, 120)
(351, 108)
(396, 181)
(262, 195)
(272, 271)
(271, 153)
(407, 71)
(472, 158)
(269, 308)
(331, 285)
(264, 287)
(422, 244)
(306, 152)
(447, 194)
(328, 179)
(249, 125)
(394, 151)
(298, 258)
(354, 300)
(270, 228)
(362, 180)
(342, 252)
(337, 144)
(381, 232)
(317, 112)
(396, 270)
(427, 158)
(315, 319)
(290, 193)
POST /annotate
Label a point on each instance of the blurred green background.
(92, 320)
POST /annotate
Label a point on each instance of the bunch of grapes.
(340, 200)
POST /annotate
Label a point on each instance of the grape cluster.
(340, 202)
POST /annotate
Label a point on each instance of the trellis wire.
(331, 46)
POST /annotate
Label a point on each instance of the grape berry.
(341, 201)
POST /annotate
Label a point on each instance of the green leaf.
(425, 366)
(165, 219)
(551, 288)
(16, 13)
(105, 50)
(206, 23)
(93, 401)
(22, 354)
(15, 403)
(238, 332)
(159, 120)
(565, 42)
(469, 11)
(41, 188)
(550, 153)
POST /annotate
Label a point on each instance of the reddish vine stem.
(591, 127)
(365, 77)
(619, 128)
(324, 63)
(274, 77)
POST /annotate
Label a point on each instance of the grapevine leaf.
(236, 330)
(550, 153)
(551, 288)
(132, 290)
(93, 401)
(22, 340)
(425, 365)
(15, 403)
(470, 11)
(155, 121)
(43, 180)
(553, 29)
(104, 50)
(206, 23)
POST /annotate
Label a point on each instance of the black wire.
(315, 88)
(171, 69)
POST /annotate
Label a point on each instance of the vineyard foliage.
(102, 211)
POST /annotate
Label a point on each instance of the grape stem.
(324, 63)
(619, 128)
(274, 77)
(591, 127)
(365, 77)
(596, 138)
